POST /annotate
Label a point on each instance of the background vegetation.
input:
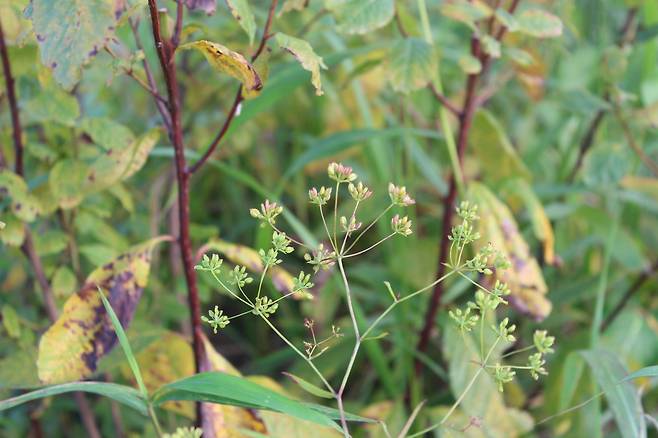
(123, 160)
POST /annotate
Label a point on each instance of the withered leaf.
(71, 348)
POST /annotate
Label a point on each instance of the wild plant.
(342, 235)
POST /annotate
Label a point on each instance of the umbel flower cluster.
(481, 311)
(341, 244)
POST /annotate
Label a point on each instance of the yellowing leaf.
(71, 347)
(530, 72)
(494, 150)
(304, 53)
(232, 63)
(226, 421)
(68, 182)
(165, 360)
(293, 5)
(524, 277)
(242, 12)
(243, 255)
(465, 11)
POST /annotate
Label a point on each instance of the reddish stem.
(17, 131)
(465, 123)
(166, 51)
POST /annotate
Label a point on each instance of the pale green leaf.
(71, 32)
(242, 12)
(123, 394)
(304, 53)
(469, 64)
(360, 16)
(11, 322)
(63, 282)
(107, 133)
(622, 396)
(309, 387)
(412, 64)
(539, 24)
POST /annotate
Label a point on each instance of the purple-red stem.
(465, 117)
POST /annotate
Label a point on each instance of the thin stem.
(326, 229)
(161, 105)
(370, 247)
(651, 165)
(461, 396)
(401, 300)
(355, 351)
(302, 355)
(368, 227)
(347, 233)
(336, 216)
(260, 282)
(520, 350)
(248, 302)
(154, 420)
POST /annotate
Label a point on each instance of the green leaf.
(412, 64)
(107, 133)
(70, 33)
(623, 398)
(50, 242)
(465, 11)
(10, 321)
(125, 345)
(651, 371)
(469, 64)
(494, 150)
(63, 282)
(242, 12)
(67, 180)
(309, 387)
(304, 53)
(123, 394)
(539, 24)
(360, 16)
(216, 387)
(13, 232)
(24, 205)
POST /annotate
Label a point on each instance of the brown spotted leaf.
(231, 63)
(524, 277)
(71, 32)
(243, 255)
(71, 347)
(24, 205)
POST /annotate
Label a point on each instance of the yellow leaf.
(226, 421)
(541, 225)
(524, 277)
(232, 63)
(71, 348)
(165, 360)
